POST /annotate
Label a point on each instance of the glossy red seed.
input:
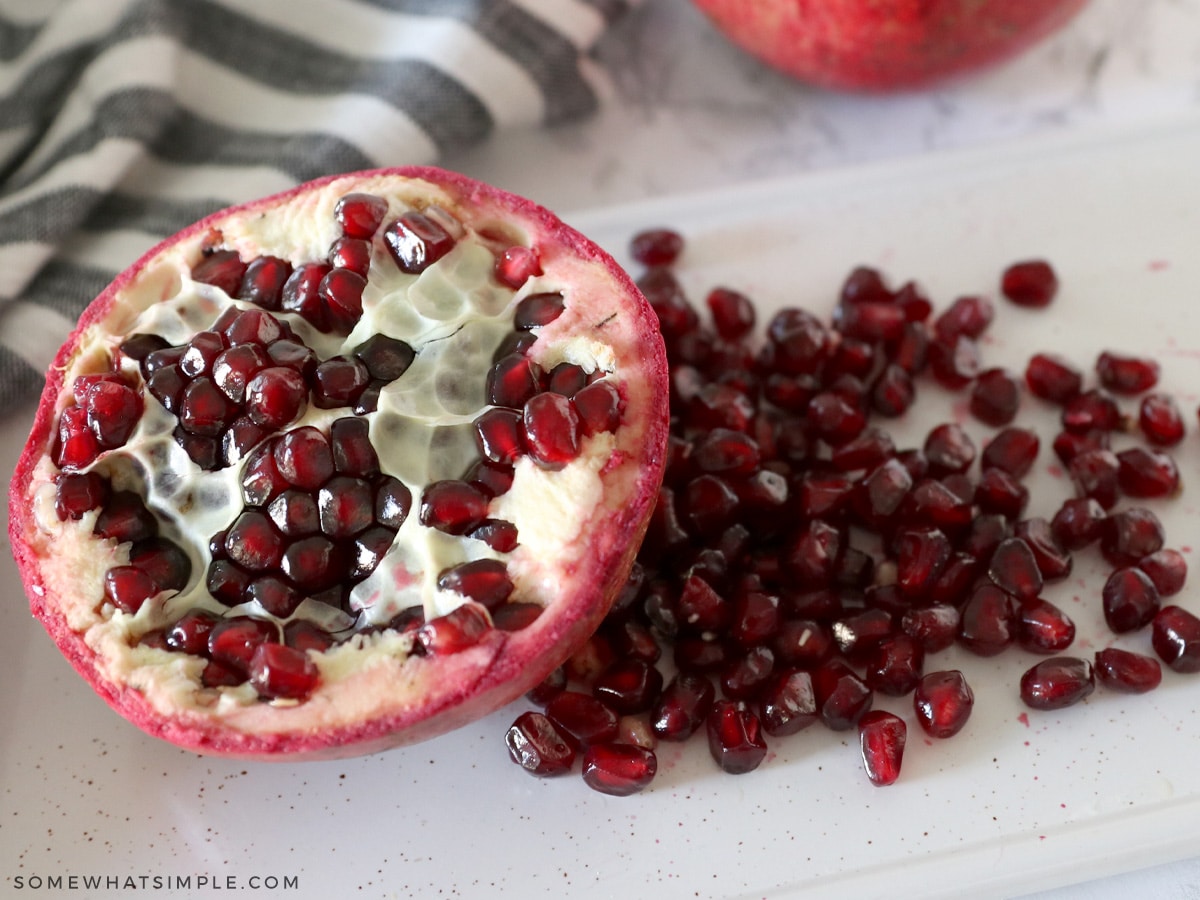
(988, 624)
(1053, 560)
(803, 643)
(453, 507)
(456, 631)
(735, 737)
(512, 381)
(788, 703)
(1014, 569)
(871, 321)
(77, 446)
(222, 269)
(350, 254)
(881, 739)
(1166, 569)
(921, 554)
(619, 769)
(77, 494)
(486, 581)
(1176, 639)
(656, 246)
(1160, 420)
(128, 588)
(732, 313)
(934, 627)
(263, 280)
(1013, 449)
(583, 718)
(516, 265)
(756, 617)
(415, 241)
(949, 448)
(1044, 628)
(164, 561)
(1127, 672)
(1095, 409)
(1147, 473)
(189, 633)
(393, 501)
(281, 672)
(893, 392)
(1053, 378)
(537, 310)
(1129, 535)
(537, 746)
(1057, 683)
(551, 430)
(966, 317)
(499, 435)
(682, 707)
(943, 702)
(1130, 600)
(304, 458)
(360, 214)
(232, 642)
(954, 362)
(843, 698)
(599, 407)
(997, 491)
(1078, 522)
(1031, 283)
(894, 665)
(628, 686)
(1126, 374)
(113, 411)
(995, 396)
(745, 674)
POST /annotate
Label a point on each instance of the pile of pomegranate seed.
(799, 563)
(317, 511)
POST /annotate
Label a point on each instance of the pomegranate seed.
(164, 561)
(216, 674)
(1130, 600)
(551, 428)
(1053, 378)
(304, 458)
(735, 738)
(537, 746)
(360, 214)
(870, 320)
(893, 666)
(1092, 410)
(416, 242)
(965, 317)
(911, 352)
(935, 627)
(1160, 420)
(77, 494)
(275, 396)
(1044, 628)
(1014, 569)
(599, 407)
(346, 506)
(1124, 374)
(743, 676)
(513, 381)
(1176, 639)
(842, 697)
(1166, 569)
(516, 265)
(458, 630)
(1129, 673)
(537, 310)
(128, 588)
(189, 633)
(1012, 449)
(1030, 283)
(350, 255)
(281, 672)
(921, 554)
(1147, 473)
(77, 446)
(628, 686)
(656, 246)
(222, 269)
(274, 595)
(393, 500)
(139, 346)
(893, 391)
(984, 536)
(732, 313)
(253, 542)
(1068, 444)
(682, 707)
(1078, 522)
(989, 621)
(949, 449)
(834, 419)
(548, 688)
(755, 618)
(113, 411)
(881, 737)
(995, 397)
(501, 536)
(263, 281)
(227, 582)
(1057, 683)
(486, 581)
(619, 769)
(880, 496)
(954, 361)
(788, 703)
(1053, 561)
(293, 355)
(864, 285)
(204, 410)
(370, 546)
(803, 643)
(1129, 535)
(232, 642)
(943, 702)
(583, 718)
(1000, 492)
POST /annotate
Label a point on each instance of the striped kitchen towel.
(121, 121)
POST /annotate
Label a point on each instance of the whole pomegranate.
(881, 45)
(343, 468)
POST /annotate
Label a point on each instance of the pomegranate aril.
(584, 719)
(943, 702)
(227, 581)
(339, 381)
(304, 458)
(1014, 569)
(189, 633)
(934, 627)
(986, 532)
(1146, 473)
(995, 397)
(352, 255)
(393, 501)
(232, 642)
(263, 281)
(1030, 283)
(949, 449)
(1127, 672)
(453, 507)
(1095, 409)
(870, 320)
(486, 581)
(368, 551)
(1043, 627)
(313, 564)
(499, 435)
(415, 241)
(274, 595)
(1129, 535)
(999, 492)
(618, 769)
(512, 381)
(204, 410)
(498, 534)
(803, 643)
(222, 269)
(567, 379)
(834, 419)
(989, 622)
(139, 346)
(842, 697)
(1175, 635)
(1161, 420)
(125, 518)
(76, 446)
(966, 317)
(280, 672)
(1166, 569)
(1078, 522)
(656, 246)
(682, 707)
(954, 362)
(346, 506)
(732, 313)
(360, 214)
(735, 737)
(456, 631)
(1053, 561)
(745, 674)
(881, 737)
(537, 746)
(894, 665)
(881, 494)
(128, 588)
(599, 407)
(164, 561)
(1130, 600)
(1012, 449)
(301, 293)
(628, 686)
(75, 495)
(756, 617)
(1125, 374)
(293, 355)
(1057, 683)
(1053, 378)
(537, 310)
(113, 410)
(217, 674)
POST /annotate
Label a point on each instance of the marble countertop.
(686, 111)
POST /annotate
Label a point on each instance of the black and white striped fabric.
(121, 121)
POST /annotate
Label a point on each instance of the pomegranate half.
(886, 45)
(343, 468)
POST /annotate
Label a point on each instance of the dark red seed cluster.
(799, 563)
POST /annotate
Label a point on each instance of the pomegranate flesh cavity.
(345, 468)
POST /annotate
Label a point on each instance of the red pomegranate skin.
(886, 45)
(432, 695)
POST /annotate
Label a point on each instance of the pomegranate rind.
(398, 699)
(867, 46)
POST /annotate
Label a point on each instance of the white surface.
(1013, 804)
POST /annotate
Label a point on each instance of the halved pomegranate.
(343, 468)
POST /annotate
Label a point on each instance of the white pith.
(363, 676)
